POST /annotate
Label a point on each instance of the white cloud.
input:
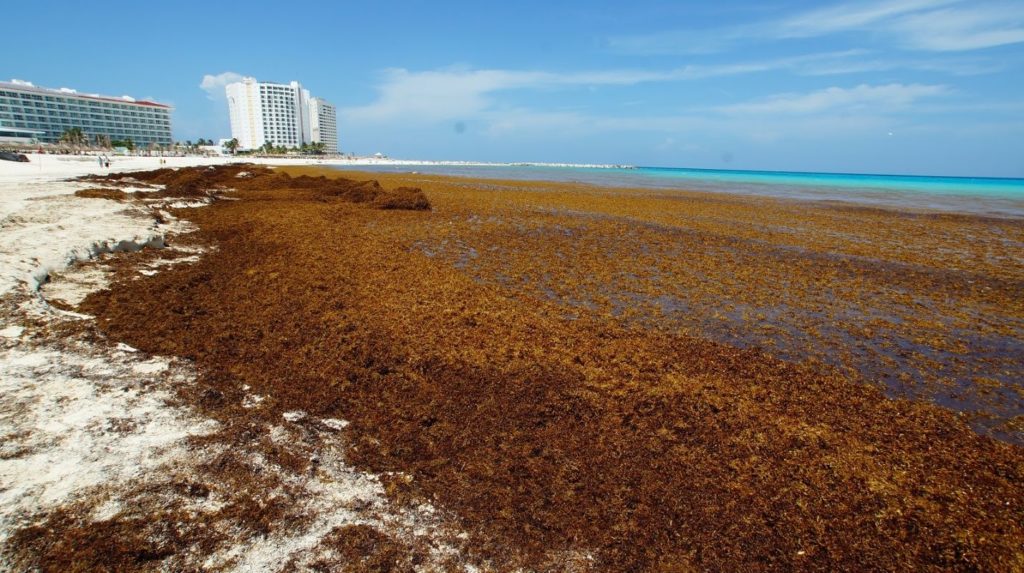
(692, 125)
(462, 93)
(926, 25)
(813, 23)
(862, 98)
(213, 85)
(956, 29)
(437, 95)
(459, 93)
(849, 16)
(954, 67)
(929, 25)
(409, 98)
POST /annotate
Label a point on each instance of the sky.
(866, 86)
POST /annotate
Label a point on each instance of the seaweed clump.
(212, 181)
(118, 544)
(337, 188)
(112, 194)
(408, 198)
(364, 549)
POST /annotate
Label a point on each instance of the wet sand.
(613, 379)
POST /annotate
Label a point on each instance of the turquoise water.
(970, 186)
(976, 195)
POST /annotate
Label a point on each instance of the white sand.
(74, 417)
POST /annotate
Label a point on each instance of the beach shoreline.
(521, 348)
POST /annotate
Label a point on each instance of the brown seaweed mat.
(558, 441)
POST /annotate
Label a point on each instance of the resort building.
(48, 113)
(282, 114)
(323, 124)
(19, 135)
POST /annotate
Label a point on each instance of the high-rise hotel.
(282, 114)
(323, 124)
(48, 113)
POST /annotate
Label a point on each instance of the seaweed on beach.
(69, 541)
(407, 198)
(563, 435)
(363, 549)
(199, 182)
(112, 194)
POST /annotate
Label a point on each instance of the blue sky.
(890, 86)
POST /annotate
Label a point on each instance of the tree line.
(75, 137)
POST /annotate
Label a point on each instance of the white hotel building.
(283, 114)
(323, 124)
(48, 113)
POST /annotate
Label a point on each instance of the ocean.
(975, 195)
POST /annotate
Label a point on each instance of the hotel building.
(323, 124)
(283, 114)
(49, 113)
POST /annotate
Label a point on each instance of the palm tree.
(73, 137)
(231, 145)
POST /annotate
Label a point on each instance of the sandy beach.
(248, 369)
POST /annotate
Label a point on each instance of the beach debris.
(16, 157)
